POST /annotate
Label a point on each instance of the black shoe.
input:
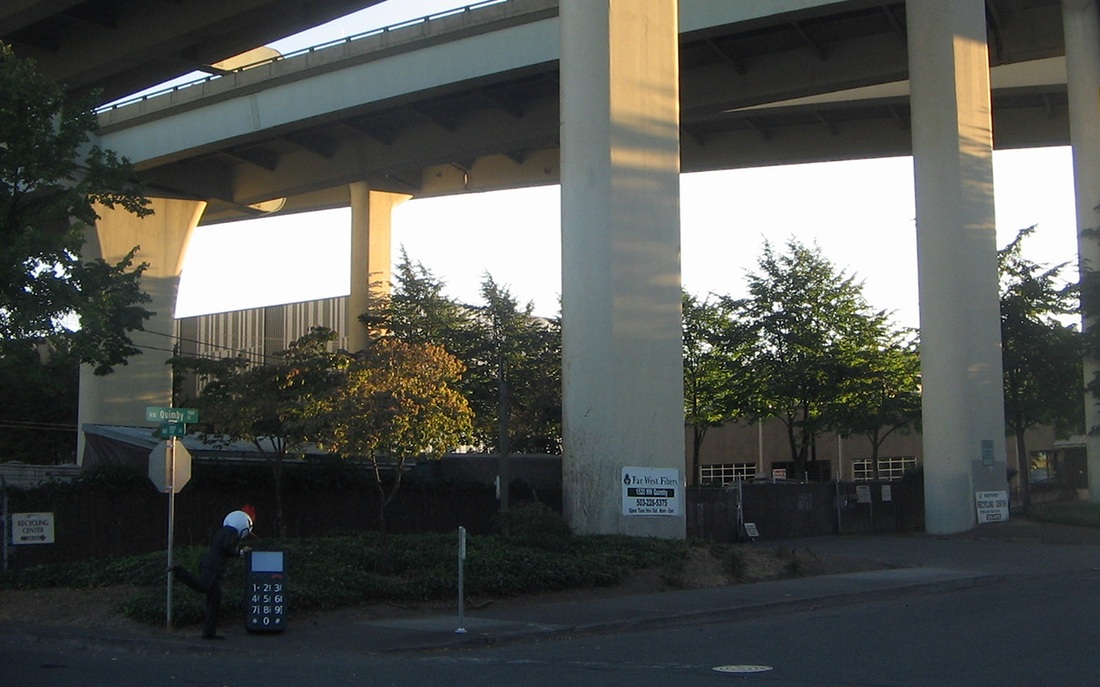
(212, 637)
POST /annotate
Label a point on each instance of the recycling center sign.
(32, 528)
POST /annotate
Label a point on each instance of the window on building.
(1042, 467)
(889, 468)
(724, 473)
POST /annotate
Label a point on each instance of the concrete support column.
(963, 393)
(1081, 21)
(622, 352)
(371, 217)
(120, 398)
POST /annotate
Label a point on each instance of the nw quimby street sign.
(158, 414)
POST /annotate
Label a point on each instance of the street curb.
(689, 618)
(525, 631)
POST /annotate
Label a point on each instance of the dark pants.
(209, 582)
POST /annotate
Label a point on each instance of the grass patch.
(338, 571)
(1080, 513)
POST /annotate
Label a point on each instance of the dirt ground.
(98, 607)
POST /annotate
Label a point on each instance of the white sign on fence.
(863, 493)
(32, 528)
(652, 491)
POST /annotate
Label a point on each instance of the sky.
(859, 213)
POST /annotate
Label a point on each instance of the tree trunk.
(1025, 469)
(277, 474)
(503, 442)
(697, 436)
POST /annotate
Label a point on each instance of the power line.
(37, 426)
(180, 339)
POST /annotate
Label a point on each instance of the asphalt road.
(1027, 630)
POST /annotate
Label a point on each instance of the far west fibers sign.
(652, 491)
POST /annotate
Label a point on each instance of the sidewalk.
(926, 564)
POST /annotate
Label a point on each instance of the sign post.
(4, 517)
(461, 581)
(170, 470)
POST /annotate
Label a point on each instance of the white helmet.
(240, 521)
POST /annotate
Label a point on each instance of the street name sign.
(171, 429)
(32, 528)
(159, 414)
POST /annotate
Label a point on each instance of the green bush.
(338, 571)
(1077, 513)
(534, 524)
(733, 563)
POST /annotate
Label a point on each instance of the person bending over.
(226, 543)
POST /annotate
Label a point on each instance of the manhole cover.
(741, 670)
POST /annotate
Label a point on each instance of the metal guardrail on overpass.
(301, 51)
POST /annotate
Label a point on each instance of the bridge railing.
(297, 53)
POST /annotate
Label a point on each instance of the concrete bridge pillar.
(963, 394)
(371, 219)
(1081, 21)
(622, 352)
(120, 398)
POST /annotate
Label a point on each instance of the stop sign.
(167, 474)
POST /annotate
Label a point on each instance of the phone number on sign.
(651, 503)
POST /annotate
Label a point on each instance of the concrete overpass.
(470, 102)
(613, 101)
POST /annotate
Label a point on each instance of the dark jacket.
(224, 544)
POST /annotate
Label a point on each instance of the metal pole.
(171, 479)
(740, 512)
(7, 531)
(839, 520)
(871, 507)
(461, 581)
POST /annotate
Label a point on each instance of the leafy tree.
(812, 323)
(1088, 290)
(396, 401)
(881, 395)
(1041, 355)
(51, 180)
(274, 405)
(717, 385)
